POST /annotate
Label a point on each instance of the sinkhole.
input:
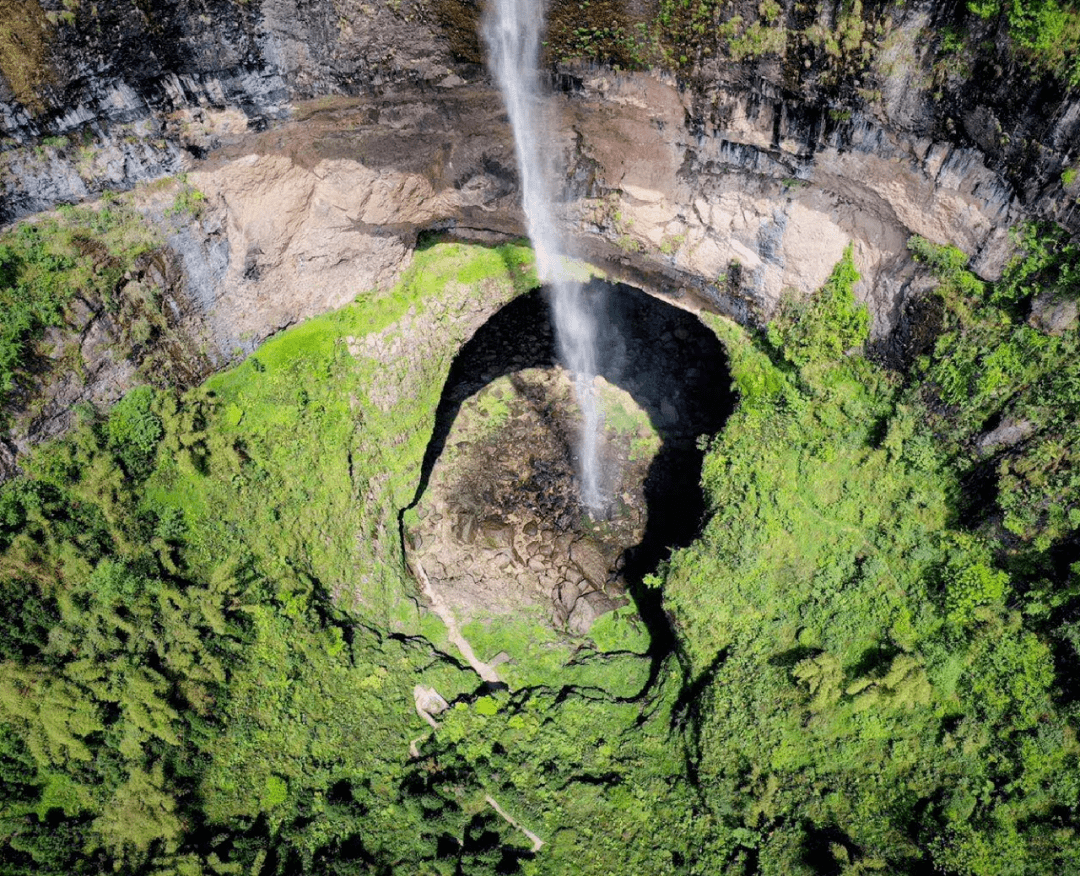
(497, 523)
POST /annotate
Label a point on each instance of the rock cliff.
(328, 135)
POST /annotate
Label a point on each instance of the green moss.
(24, 41)
(620, 630)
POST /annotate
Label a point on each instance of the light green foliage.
(620, 630)
(133, 431)
(209, 668)
(541, 654)
(969, 579)
(991, 363)
(821, 328)
(819, 614)
(189, 201)
(746, 42)
(492, 406)
(1046, 32)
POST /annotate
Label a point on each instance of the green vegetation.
(44, 265)
(873, 698)
(181, 689)
(209, 642)
(604, 31)
(189, 201)
(998, 361)
(1046, 32)
(834, 42)
(819, 329)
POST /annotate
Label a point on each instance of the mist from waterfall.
(512, 30)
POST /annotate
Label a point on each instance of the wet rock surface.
(499, 526)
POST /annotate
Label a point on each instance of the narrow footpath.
(486, 672)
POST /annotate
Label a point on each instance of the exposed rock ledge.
(725, 213)
(724, 210)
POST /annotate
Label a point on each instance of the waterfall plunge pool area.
(498, 526)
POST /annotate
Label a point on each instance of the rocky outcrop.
(327, 137)
(757, 200)
(730, 216)
(104, 95)
(725, 187)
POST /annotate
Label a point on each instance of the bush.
(825, 326)
(1046, 32)
(133, 431)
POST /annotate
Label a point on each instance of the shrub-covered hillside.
(210, 644)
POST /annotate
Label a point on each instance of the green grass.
(297, 447)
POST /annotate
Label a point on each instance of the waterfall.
(512, 30)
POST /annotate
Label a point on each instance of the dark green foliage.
(869, 697)
(133, 431)
(26, 616)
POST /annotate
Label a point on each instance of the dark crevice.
(673, 367)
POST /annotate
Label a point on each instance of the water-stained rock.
(1053, 314)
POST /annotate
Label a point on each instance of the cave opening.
(497, 523)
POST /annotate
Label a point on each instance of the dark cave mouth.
(498, 524)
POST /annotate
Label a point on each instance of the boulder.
(1052, 314)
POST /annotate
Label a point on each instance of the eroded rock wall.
(757, 199)
(327, 136)
(104, 95)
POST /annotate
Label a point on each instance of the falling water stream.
(512, 30)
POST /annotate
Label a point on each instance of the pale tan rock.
(730, 196)
(1054, 315)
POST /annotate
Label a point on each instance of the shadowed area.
(675, 371)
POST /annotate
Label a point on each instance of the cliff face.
(327, 134)
(138, 88)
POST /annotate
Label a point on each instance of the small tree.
(822, 327)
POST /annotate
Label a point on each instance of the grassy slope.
(198, 673)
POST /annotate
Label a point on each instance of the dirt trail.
(485, 670)
(533, 838)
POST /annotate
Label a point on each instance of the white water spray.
(512, 31)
